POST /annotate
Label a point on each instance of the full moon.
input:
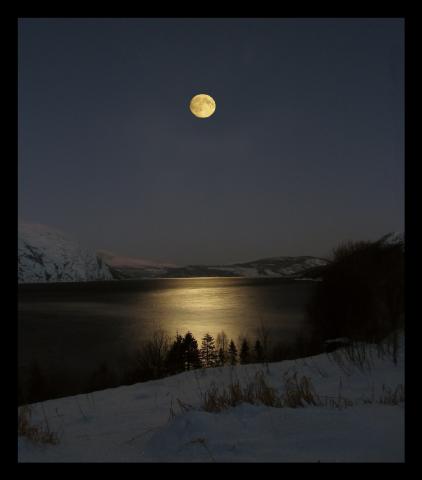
(202, 105)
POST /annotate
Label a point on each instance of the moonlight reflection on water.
(81, 324)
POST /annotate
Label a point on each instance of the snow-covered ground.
(145, 422)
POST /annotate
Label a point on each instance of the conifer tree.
(259, 351)
(175, 361)
(232, 353)
(222, 357)
(244, 352)
(190, 352)
(222, 344)
(207, 353)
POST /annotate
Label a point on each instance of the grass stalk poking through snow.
(40, 433)
(299, 392)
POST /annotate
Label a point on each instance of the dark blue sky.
(306, 147)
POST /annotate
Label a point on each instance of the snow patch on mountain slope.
(275, 266)
(46, 254)
(393, 238)
(119, 261)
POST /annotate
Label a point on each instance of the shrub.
(40, 433)
(255, 392)
(297, 393)
(37, 383)
(101, 378)
(151, 358)
(361, 295)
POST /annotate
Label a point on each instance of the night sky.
(305, 149)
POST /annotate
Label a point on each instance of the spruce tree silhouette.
(208, 354)
(259, 352)
(244, 352)
(175, 361)
(190, 352)
(232, 353)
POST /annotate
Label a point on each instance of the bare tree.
(152, 357)
(222, 345)
(263, 335)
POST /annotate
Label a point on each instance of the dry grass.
(355, 355)
(389, 396)
(203, 442)
(338, 402)
(255, 392)
(392, 397)
(298, 392)
(362, 355)
(39, 433)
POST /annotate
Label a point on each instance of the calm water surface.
(79, 325)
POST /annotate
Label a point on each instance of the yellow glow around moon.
(202, 105)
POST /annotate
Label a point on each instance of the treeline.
(160, 356)
(157, 357)
(361, 295)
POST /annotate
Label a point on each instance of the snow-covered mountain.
(46, 254)
(130, 267)
(299, 267)
(120, 261)
(393, 238)
(276, 266)
(282, 267)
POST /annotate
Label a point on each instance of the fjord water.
(76, 326)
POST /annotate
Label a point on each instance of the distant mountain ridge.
(46, 254)
(284, 267)
(293, 267)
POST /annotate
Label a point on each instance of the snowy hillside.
(127, 267)
(46, 254)
(120, 261)
(393, 238)
(276, 266)
(361, 420)
(284, 267)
